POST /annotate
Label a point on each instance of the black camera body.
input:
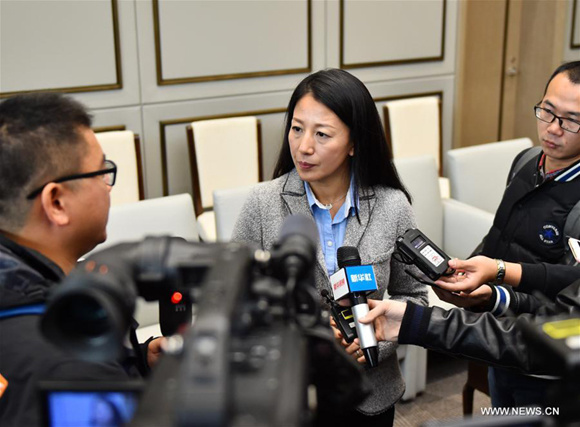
(259, 344)
(416, 248)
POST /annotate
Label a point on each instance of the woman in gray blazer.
(335, 166)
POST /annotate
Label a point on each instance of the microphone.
(355, 281)
(293, 257)
(296, 247)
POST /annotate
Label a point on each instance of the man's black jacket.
(483, 337)
(26, 357)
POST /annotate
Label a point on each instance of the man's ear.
(55, 204)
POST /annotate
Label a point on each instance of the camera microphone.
(355, 281)
(296, 249)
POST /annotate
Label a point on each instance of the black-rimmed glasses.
(109, 174)
(548, 117)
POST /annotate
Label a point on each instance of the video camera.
(260, 351)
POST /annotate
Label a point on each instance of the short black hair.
(40, 139)
(572, 70)
(350, 100)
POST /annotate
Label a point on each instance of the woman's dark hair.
(351, 101)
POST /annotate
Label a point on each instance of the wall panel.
(71, 46)
(575, 32)
(572, 36)
(204, 41)
(388, 32)
(303, 41)
(186, 60)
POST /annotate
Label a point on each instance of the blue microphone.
(355, 281)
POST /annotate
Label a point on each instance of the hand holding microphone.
(354, 281)
(386, 315)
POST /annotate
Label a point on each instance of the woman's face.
(319, 143)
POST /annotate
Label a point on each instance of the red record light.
(176, 297)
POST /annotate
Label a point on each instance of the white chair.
(123, 147)
(413, 128)
(227, 205)
(171, 215)
(224, 153)
(478, 174)
(455, 227)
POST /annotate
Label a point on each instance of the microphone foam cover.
(301, 225)
(347, 256)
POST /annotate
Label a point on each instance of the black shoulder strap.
(525, 158)
(141, 358)
(572, 225)
(571, 229)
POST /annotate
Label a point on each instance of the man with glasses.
(529, 225)
(54, 204)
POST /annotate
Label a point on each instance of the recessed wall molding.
(374, 34)
(228, 40)
(575, 28)
(60, 46)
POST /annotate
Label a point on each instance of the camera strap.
(25, 310)
(141, 361)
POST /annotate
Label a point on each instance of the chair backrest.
(227, 206)
(420, 177)
(224, 153)
(170, 215)
(478, 174)
(123, 147)
(132, 222)
(413, 127)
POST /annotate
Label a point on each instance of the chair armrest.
(464, 226)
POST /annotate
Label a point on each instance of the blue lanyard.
(23, 310)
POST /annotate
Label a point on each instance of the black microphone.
(296, 248)
(348, 256)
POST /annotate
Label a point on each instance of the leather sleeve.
(484, 338)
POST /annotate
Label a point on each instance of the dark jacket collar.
(34, 259)
(26, 275)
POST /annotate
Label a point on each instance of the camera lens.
(83, 318)
(88, 322)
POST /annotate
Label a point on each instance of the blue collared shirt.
(331, 231)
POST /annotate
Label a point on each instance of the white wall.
(179, 61)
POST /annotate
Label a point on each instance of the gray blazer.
(384, 215)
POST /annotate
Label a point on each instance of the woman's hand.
(469, 274)
(353, 349)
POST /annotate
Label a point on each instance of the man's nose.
(555, 128)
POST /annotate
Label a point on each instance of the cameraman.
(477, 336)
(54, 205)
